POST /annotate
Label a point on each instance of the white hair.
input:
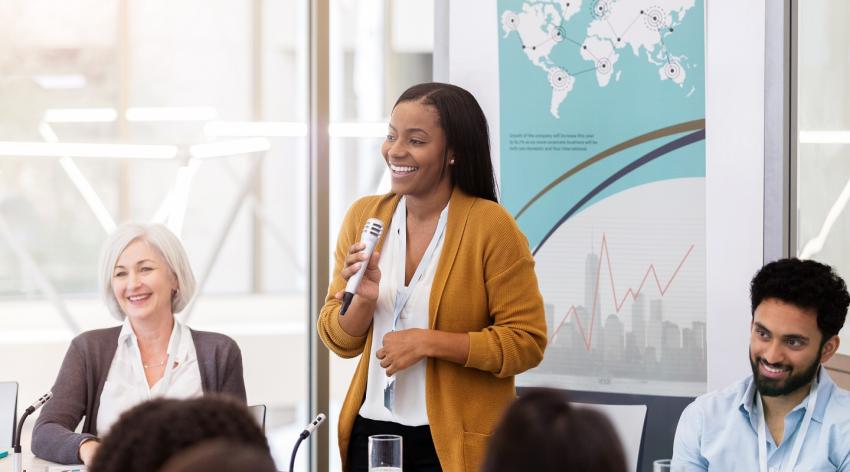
(162, 240)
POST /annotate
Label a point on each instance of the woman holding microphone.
(448, 309)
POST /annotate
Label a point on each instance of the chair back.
(8, 412)
(259, 414)
(628, 422)
(659, 418)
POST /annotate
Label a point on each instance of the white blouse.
(126, 385)
(409, 406)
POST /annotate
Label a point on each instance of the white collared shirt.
(126, 385)
(409, 407)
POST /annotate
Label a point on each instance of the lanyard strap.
(403, 294)
(791, 460)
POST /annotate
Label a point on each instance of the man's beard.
(774, 388)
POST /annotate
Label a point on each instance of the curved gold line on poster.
(652, 135)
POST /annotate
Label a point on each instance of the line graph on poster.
(632, 294)
(623, 284)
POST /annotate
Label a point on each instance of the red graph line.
(618, 302)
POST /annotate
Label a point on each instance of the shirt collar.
(126, 332)
(747, 399)
(178, 343)
(401, 211)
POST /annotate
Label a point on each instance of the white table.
(31, 463)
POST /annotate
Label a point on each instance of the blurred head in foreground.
(542, 432)
(148, 435)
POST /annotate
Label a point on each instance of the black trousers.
(417, 447)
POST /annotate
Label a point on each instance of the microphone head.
(315, 423)
(373, 228)
(41, 400)
(16, 438)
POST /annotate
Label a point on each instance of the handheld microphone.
(304, 435)
(16, 443)
(370, 235)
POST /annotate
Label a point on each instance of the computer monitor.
(8, 412)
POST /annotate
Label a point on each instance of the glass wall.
(378, 48)
(211, 98)
(823, 139)
(192, 114)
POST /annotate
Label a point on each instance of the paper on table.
(66, 468)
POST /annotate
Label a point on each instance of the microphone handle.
(304, 435)
(354, 281)
(294, 452)
(370, 235)
(346, 302)
(17, 457)
(16, 444)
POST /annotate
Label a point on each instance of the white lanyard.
(403, 294)
(790, 460)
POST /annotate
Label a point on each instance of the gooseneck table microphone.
(16, 443)
(304, 435)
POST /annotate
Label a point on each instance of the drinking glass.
(661, 465)
(384, 453)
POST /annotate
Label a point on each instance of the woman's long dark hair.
(467, 136)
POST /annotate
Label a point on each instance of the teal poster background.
(593, 118)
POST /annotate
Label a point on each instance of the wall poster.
(602, 158)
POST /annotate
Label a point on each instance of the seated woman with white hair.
(145, 279)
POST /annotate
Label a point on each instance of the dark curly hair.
(805, 284)
(542, 432)
(221, 456)
(148, 435)
(467, 135)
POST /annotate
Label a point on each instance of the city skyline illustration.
(655, 348)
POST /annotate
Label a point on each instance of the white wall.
(474, 59)
(734, 146)
(734, 179)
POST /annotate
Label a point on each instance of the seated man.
(788, 415)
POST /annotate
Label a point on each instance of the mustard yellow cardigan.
(485, 286)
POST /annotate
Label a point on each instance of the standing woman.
(145, 278)
(448, 311)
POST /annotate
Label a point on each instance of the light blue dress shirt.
(718, 432)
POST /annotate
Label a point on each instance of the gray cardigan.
(76, 393)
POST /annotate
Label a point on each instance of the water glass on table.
(385, 453)
(661, 465)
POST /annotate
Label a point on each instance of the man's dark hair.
(148, 435)
(805, 284)
(543, 433)
(467, 135)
